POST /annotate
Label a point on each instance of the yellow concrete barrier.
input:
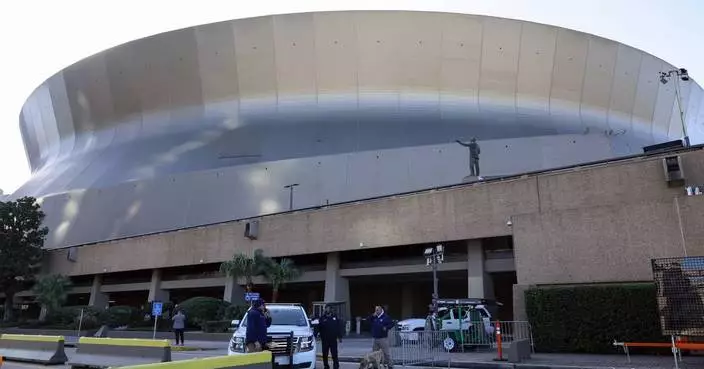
(35, 349)
(135, 342)
(116, 352)
(259, 360)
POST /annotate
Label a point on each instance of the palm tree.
(51, 293)
(245, 266)
(279, 273)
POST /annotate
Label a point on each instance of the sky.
(40, 37)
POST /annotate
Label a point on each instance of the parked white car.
(450, 321)
(291, 338)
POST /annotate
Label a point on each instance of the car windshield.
(285, 317)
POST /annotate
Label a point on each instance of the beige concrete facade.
(590, 224)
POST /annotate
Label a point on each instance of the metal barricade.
(433, 348)
(514, 331)
(422, 348)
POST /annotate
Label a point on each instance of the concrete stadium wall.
(601, 223)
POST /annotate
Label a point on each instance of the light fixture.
(683, 74)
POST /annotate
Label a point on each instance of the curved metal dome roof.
(330, 97)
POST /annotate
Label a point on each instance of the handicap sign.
(157, 308)
(251, 296)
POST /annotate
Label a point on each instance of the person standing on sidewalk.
(179, 327)
(330, 334)
(381, 324)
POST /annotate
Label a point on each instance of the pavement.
(352, 349)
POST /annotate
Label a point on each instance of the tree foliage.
(51, 292)
(245, 266)
(21, 241)
(278, 273)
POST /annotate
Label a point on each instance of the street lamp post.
(433, 257)
(682, 74)
(290, 194)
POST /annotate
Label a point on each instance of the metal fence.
(422, 348)
(433, 347)
(679, 286)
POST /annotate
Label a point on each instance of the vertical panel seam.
(518, 69)
(584, 79)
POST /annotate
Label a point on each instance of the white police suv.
(291, 338)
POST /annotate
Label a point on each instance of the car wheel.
(449, 344)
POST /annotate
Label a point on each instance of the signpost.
(157, 310)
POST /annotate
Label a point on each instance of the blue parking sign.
(157, 308)
(251, 296)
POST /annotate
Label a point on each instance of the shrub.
(216, 326)
(233, 312)
(589, 318)
(70, 317)
(118, 316)
(199, 310)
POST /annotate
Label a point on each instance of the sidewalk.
(351, 350)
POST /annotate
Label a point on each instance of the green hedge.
(589, 318)
(199, 310)
(233, 312)
(70, 316)
(216, 326)
(119, 316)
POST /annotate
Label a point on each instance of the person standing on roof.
(258, 321)
(330, 334)
(381, 325)
(474, 151)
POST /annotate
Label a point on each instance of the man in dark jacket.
(474, 151)
(381, 324)
(330, 333)
(258, 321)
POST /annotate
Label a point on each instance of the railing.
(434, 347)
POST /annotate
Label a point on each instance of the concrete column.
(155, 291)
(336, 288)
(407, 301)
(98, 299)
(489, 287)
(475, 269)
(519, 302)
(234, 293)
